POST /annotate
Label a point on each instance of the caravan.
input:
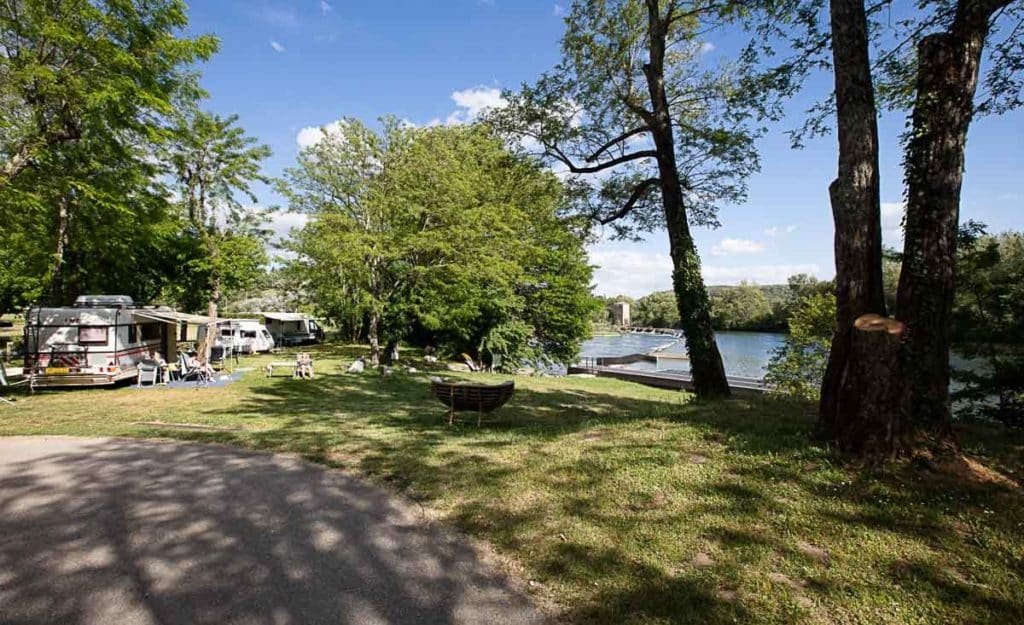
(293, 328)
(98, 341)
(244, 336)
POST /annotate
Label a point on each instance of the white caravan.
(98, 341)
(245, 336)
(293, 328)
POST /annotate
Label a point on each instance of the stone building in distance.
(620, 314)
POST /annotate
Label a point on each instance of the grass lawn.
(626, 504)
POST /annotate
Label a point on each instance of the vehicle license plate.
(50, 370)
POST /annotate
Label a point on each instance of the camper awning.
(285, 316)
(172, 316)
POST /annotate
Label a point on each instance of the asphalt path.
(130, 532)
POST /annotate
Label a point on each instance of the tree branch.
(638, 192)
(612, 142)
(559, 155)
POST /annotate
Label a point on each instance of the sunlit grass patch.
(627, 504)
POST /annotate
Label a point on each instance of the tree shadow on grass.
(392, 429)
(114, 531)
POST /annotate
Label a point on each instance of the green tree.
(656, 310)
(215, 164)
(86, 88)
(744, 307)
(443, 229)
(798, 366)
(632, 100)
(108, 68)
(988, 325)
(92, 217)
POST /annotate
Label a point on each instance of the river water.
(746, 354)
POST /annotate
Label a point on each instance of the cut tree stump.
(868, 397)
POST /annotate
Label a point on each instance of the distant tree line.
(747, 306)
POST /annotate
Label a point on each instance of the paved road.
(112, 531)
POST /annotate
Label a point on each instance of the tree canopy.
(98, 131)
(441, 230)
(654, 136)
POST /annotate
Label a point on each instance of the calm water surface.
(745, 354)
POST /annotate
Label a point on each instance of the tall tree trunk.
(56, 295)
(691, 295)
(216, 277)
(947, 77)
(372, 330)
(856, 212)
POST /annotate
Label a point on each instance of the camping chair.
(471, 363)
(148, 372)
(4, 384)
(190, 369)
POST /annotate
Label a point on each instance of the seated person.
(161, 368)
(304, 366)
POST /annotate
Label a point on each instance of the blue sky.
(289, 66)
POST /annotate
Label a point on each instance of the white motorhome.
(98, 341)
(245, 336)
(293, 328)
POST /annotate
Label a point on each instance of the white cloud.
(559, 10)
(281, 224)
(636, 272)
(706, 47)
(630, 272)
(1009, 196)
(278, 16)
(276, 46)
(312, 134)
(892, 223)
(472, 102)
(759, 274)
(325, 7)
(776, 231)
(727, 247)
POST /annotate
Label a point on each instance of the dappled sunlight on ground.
(625, 503)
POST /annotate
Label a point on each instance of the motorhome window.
(248, 334)
(151, 332)
(312, 326)
(92, 334)
(225, 332)
(133, 333)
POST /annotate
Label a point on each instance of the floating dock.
(676, 380)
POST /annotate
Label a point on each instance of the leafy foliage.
(588, 115)
(749, 307)
(91, 92)
(214, 163)
(740, 308)
(107, 69)
(656, 310)
(989, 326)
(444, 230)
(798, 366)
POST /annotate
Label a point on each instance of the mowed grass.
(620, 503)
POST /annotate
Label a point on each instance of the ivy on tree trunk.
(947, 78)
(856, 211)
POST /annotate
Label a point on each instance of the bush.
(797, 367)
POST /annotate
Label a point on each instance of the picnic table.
(289, 364)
